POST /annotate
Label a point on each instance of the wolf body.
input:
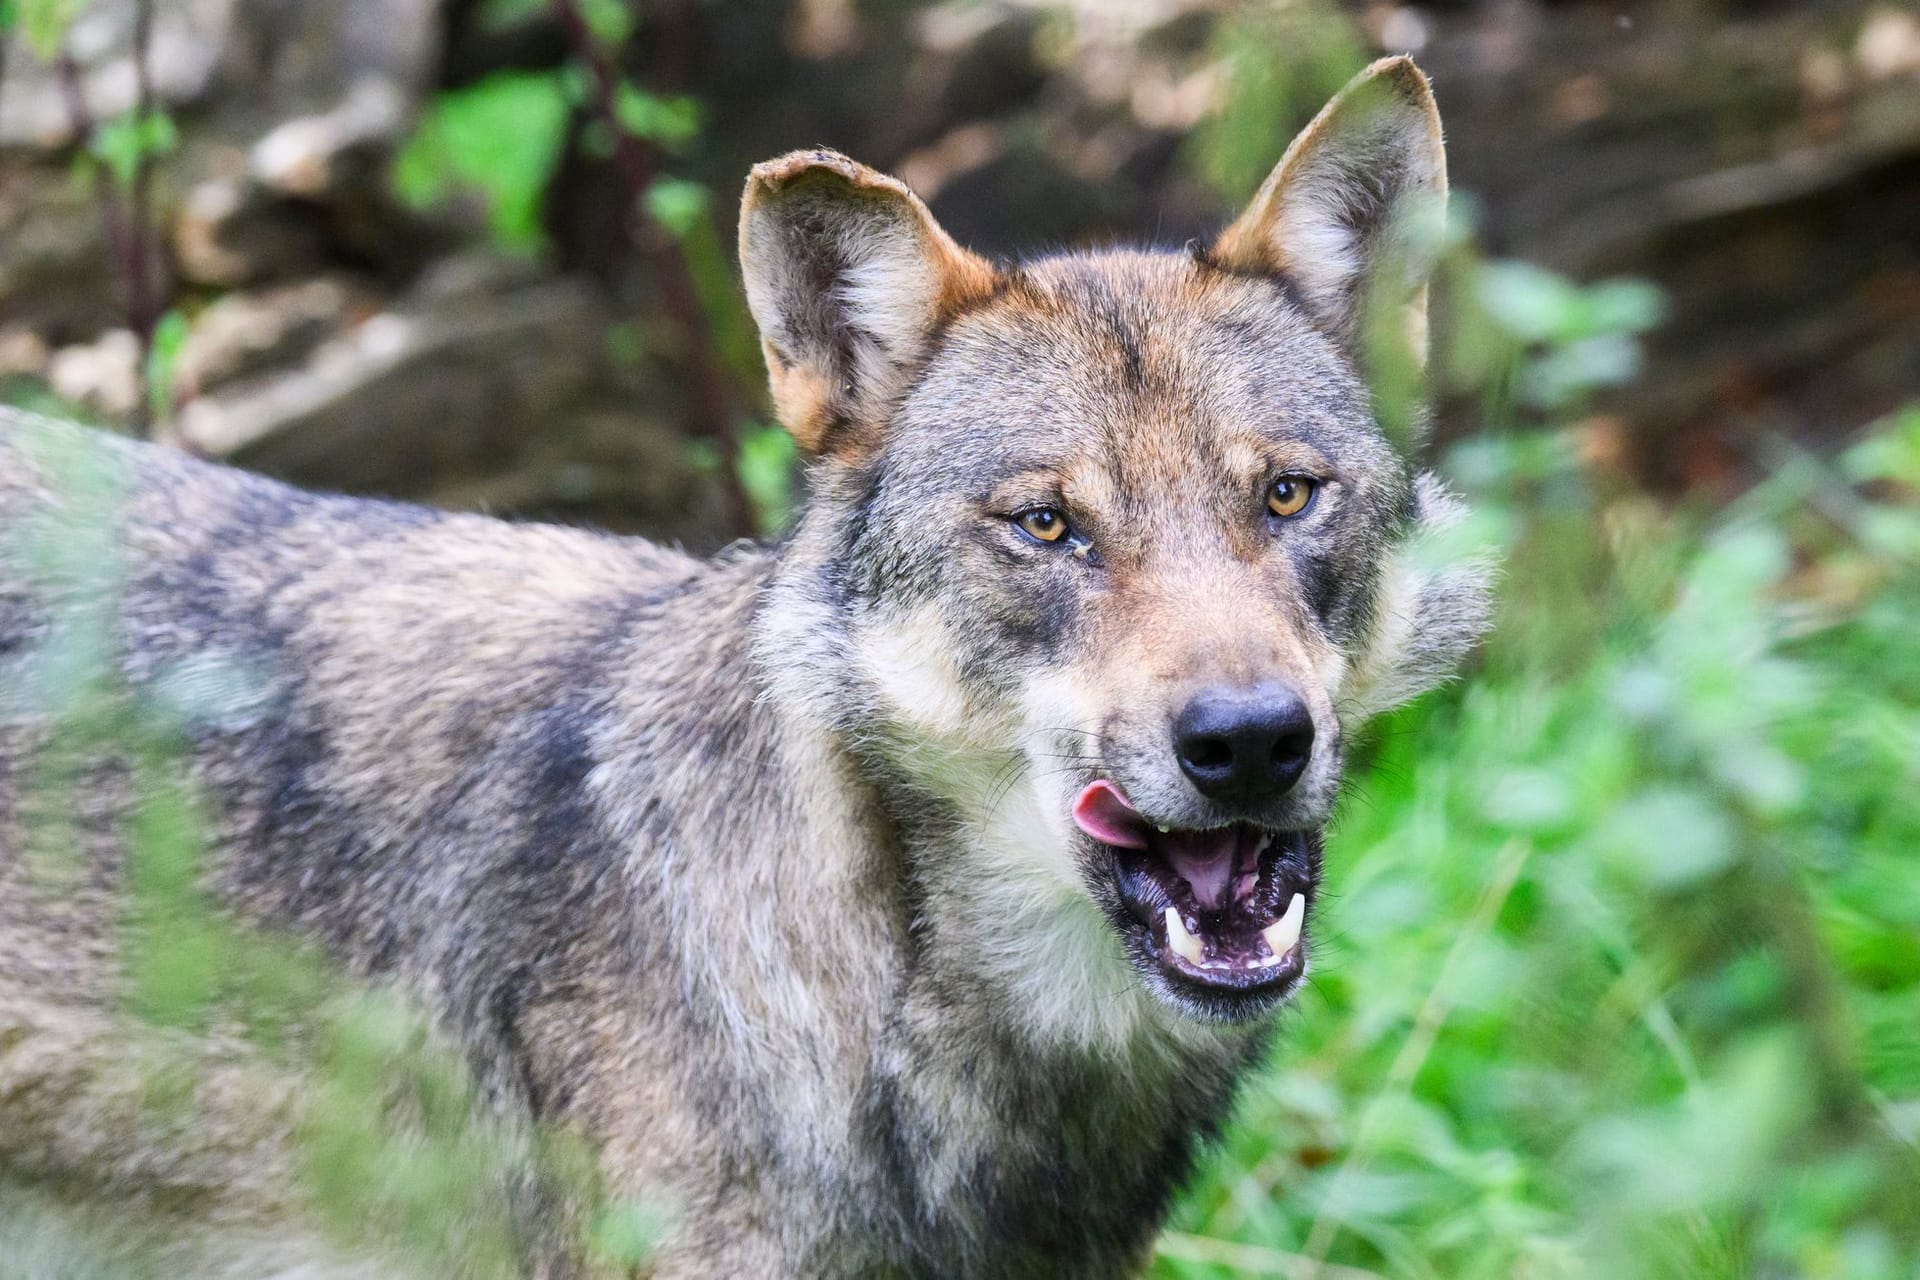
(817, 884)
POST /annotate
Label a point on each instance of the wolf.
(903, 898)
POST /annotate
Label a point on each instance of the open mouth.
(1222, 909)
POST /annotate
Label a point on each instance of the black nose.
(1244, 745)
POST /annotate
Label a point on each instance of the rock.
(345, 149)
(610, 465)
(298, 58)
(23, 353)
(230, 232)
(411, 396)
(103, 375)
(476, 273)
(243, 334)
(56, 275)
(188, 39)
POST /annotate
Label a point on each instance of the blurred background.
(1623, 967)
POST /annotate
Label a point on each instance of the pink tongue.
(1103, 813)
(1204, 859)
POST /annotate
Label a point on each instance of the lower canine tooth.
(1182, 943)
(1283, 933)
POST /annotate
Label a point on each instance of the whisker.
(1001, 790)
(1094, 734)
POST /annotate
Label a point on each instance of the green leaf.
(1562, 376)
(500, 137)
(169, 336)
(1537, 305)
(1531, 303)
(1890, 452)
(1670, 837)
(1623, 306)
(766, 461)
(1529, 800)
(677, 204)
(45, 23)
(122, 145)
(626, 1233)
(670, 122)
(610, 21)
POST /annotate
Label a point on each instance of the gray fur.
(754, 871)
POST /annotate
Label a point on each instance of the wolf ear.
(847, 275)
(1324, 215)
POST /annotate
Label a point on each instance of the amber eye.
(1044, 523)
(1290, 495)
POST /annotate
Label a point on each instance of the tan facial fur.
(1151, 398)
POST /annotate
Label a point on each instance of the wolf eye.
(1044, 523)
(1290, 495)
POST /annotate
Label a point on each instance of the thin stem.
(710, 399)
(143, 312)
(1427, 1024)
(85, 128)
(125, 227)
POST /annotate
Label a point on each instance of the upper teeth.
(1284, 933)
(1182, 943)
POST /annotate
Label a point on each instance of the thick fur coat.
(763, 873)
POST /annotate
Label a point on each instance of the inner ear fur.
(847, 275)
(1324, 218)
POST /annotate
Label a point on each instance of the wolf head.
(1107, 552)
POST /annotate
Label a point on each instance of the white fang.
(1283, 933)
(1182, 943)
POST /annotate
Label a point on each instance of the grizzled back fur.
(772, 876)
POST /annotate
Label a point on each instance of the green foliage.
(610, 21)
(677, 205)
(1618, 970)
(1584, 336)
(672, 122)
(169, 337)
(626, 1234)
(1281, 64)
(44, 23)
(685, 211)
(397, 1154)
(123, 145)
(499, 137)
(767, 459)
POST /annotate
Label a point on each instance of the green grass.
(1618, 970)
